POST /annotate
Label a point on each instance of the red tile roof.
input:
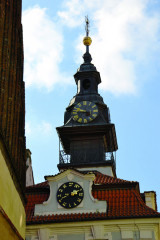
(39, 185)
(123, 201)
(105, 179)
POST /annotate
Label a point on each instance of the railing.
(66, 159)
(63, 157)
(111, 156)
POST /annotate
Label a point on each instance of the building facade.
(86, 200)
(12, 122)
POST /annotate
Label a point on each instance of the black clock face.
(85, 112)
(70, 195)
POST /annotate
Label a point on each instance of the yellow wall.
(10, 200)
(6, 232)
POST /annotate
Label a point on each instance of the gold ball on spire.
(87, 41)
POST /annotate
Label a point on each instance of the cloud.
(43, 128)
(73, 15)
(43, 49)
(125, 35)
(75, 10)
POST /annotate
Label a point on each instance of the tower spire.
(87, 42)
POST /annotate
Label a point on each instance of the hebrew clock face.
(70, 195)
(85, 112)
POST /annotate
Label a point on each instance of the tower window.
(86, 84)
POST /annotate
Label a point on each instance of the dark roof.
(123, 201)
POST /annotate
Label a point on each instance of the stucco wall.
(128, 229)
(10, 201)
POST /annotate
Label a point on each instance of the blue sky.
(126, 51)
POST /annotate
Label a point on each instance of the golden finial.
(87, 40)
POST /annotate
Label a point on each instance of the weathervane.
(87, 26)
(87, 40)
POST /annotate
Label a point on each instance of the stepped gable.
(122, 202)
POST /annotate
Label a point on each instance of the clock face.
(70, 195)
(85, 112)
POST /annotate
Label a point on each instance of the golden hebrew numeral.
(80, 120)
(76, 117)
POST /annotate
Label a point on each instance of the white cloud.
(73, 16)
(43, 49)
(43, 128)
(125, 35)
(75, 10)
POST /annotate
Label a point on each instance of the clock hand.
(85, 111)
(80, 110)
(66, 195)
(74, 192)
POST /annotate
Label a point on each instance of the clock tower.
(86, 200)
(88, 137)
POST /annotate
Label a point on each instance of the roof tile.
(122, 202)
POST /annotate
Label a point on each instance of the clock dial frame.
(85, 112)
(70, 195)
